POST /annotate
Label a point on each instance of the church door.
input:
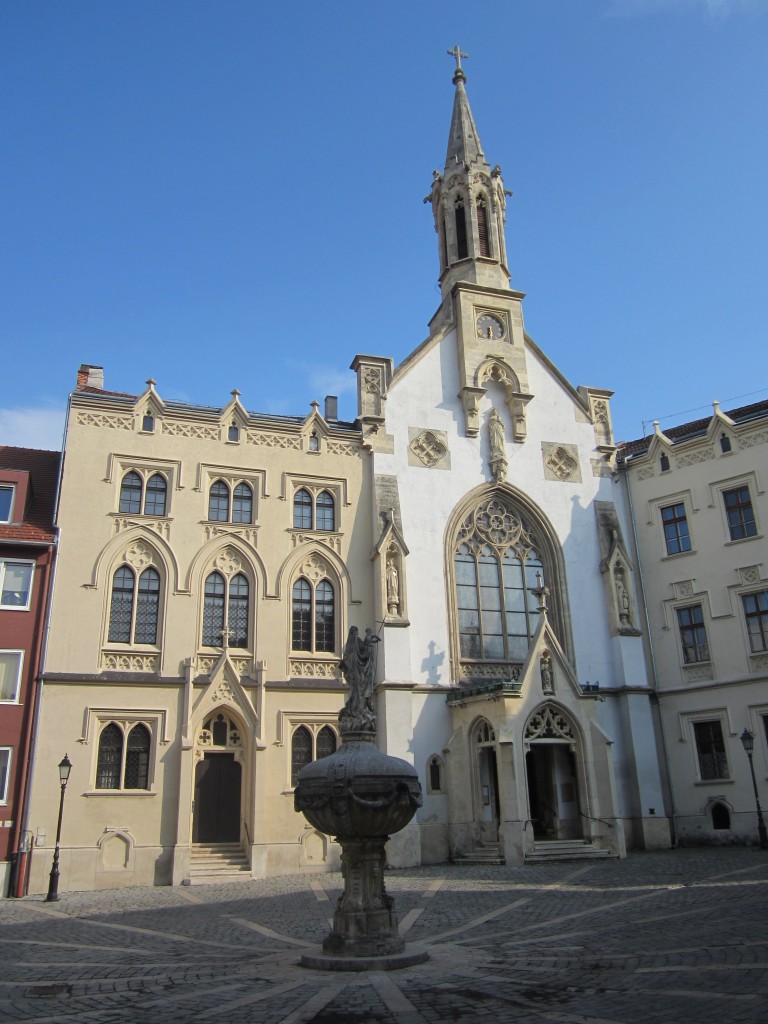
(553, 792)
(216, 816)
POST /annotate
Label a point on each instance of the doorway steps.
(483, 853)
(565, 849)
(218, 862)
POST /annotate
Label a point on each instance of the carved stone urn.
(361, 796)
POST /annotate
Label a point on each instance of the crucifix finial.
(226, 636)
(541, 591)
(457, 54)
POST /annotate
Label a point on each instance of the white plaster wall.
(427, 396)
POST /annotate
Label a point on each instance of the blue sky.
(229, 194)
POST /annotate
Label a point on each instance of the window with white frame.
(693, 634)
(123, 759)
(5, 773)
(10, 676)
(756, 617)
(710, 750)
(16, 584)
(6, 502)
(308, 744)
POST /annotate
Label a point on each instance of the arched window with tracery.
(242, 504)
(134, 618)
(123, 763)
(498, 565)
(313, 616)
(226, 607)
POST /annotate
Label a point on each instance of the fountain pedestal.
(361, 796)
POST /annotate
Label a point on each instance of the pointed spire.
(463, 140)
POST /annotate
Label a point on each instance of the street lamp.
(748, 742)
(65, 767)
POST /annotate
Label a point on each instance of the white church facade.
(212, 561)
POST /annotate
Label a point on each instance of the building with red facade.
(28, 480)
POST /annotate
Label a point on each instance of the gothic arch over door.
(553, 753)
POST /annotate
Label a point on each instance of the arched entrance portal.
(552, 776)
(216, 812)
(487, 812)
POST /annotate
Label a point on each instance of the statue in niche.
(393, 586)
(358, 667)
(622, 597)
(547, 676)
(498, 460)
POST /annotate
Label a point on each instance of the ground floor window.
(710, 750)
(123, 761)
(307, 746)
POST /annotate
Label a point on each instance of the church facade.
(212, 561)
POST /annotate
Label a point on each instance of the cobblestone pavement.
(660, 937)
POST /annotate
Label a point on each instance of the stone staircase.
(483, 853)
(218, 862)
(565, 849)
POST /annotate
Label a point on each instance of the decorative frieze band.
(105, 419)
(304, 668)
(119, 661)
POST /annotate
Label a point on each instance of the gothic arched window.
(324, 512)
(110, 757)
(498, 564)
(130, 494)
(232, 597)
(482, 226)
(137, 758)
(156, 494)
(302, 510)
(218, 502)
(461, 230)
(301, 751)
(242, 504)
(313, 619)
(134, 618)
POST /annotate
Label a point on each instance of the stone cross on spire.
(226, 636)
(457, 54)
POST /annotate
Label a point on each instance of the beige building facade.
(212, 561)
(698, 495)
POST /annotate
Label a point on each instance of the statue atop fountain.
(361, 796)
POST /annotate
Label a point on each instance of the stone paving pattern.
(664, 937)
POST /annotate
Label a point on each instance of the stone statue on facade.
(393, 587)
(498, 459)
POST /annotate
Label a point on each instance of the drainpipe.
(655, 697)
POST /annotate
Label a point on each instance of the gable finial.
(456, 53)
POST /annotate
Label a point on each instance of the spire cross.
(456, 52)
(226, 636)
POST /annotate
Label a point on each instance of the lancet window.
(498, 565)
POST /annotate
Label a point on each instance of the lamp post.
(748, 742)
(65, 767)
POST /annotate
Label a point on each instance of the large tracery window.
(498, 565)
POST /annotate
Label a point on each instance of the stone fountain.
(361, 797)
